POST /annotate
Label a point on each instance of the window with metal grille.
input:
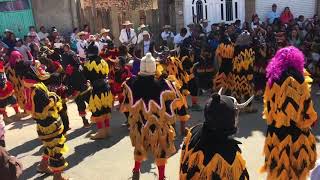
(199, 10)
(229, 10)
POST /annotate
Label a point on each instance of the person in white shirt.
(167, 34)
(147, 46)
(141, 29)
(128, 35)
(43, 33)
(105, 38)
(32, 33)
(81, 45)
(205, 26)
(272, 15)
(23, 49)
(178, 39)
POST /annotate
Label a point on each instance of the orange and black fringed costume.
(152, 105)
(208, 151)
(242, 73)
(290, 146)
(173, 71)
(224, 56)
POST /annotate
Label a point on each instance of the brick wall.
(250, 9)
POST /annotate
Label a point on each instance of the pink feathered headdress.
(288, 57)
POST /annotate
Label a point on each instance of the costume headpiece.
(148, 65)
(92, 49)
(221, 113)
(244, 39)
(285, 58)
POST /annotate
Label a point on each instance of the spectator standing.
(316, 20)
(301, 21)
(141, 29)
(81, 45)
(9, 39)
(74, 39)
(294, 39)
(32, 33)
(178, 39)
(167, 36)
(42, 34)
(128, 35)
(205, 27)
(23, 49)
(286, 16)
(273, 15)
(255, 22)
(86, 30)
(147, 45)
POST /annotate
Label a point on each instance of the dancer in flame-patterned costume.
(242, 72)
(6, 95)
(101, 100)
(173, 68)
(152, 104)
(208, 151)
(224, 56)
(44, 106)
(290, 146)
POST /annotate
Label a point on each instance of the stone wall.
(62, 14)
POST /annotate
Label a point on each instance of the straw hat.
(144, 33)
(166, 27)
(142, 26)
(8, 31)
(148, 65)
(82, 33)
(104, 30)
(127, 23)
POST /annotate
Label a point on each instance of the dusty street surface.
(112, 159)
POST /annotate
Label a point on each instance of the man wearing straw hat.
(105, 38)
(167, 36)
(146, 45)
(141, 29)
(127, 35)
(81, 44)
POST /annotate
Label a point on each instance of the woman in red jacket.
(286, 16)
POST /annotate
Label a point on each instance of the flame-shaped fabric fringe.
(193, 166)
(224, 55)
(151, 119)
(45, 108)
(289, 103)
(241, 76)
(290, 146)
(101, 68)
(17, 83)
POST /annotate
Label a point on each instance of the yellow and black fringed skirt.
(242, 85)
(221, 80)
(211, 156)
(290, 153)
(101, 101)
(50, 132)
